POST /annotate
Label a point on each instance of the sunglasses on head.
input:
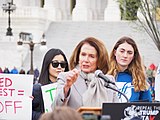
(55, 64)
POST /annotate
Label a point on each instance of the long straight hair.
(44, 74)
(135, 67)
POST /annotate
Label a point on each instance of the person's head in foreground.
(62, 113)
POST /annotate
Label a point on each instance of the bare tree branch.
(149, 22)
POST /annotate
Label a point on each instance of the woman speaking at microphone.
(80, 86)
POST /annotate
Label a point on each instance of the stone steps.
(66, 35)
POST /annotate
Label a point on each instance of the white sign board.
(15, 103)
(125, 88)
(49, 92)
(157, 84)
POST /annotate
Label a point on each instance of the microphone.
(100, 74)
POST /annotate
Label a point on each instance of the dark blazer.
(37, 102)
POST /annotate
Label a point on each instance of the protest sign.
(49, 92)
(15, 103)
(125, 88)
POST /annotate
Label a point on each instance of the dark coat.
(37, 102)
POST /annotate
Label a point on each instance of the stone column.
(112, 11)
(54, 11)
(65, 6)
(98, 7)
(19, 3)
(49, 4)
(34, 3)
(82, 11)
(93, 6)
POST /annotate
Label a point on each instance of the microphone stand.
(108, 86)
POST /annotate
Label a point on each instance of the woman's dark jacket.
(37, 102)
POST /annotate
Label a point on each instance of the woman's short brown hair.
(102, 53)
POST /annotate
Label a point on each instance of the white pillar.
(112, 11)
(65, 6)
(48, 4)
(35, 3)
(82, 11)
(20, 3)
(93, 5)
(54, 11)
(98, 7)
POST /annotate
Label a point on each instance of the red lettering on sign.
(9, 106)
(1, 81)
(6, 92)
(8, 82)
(1, 107)
(5, 82)
(16, 106)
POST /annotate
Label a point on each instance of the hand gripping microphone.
(100, 74)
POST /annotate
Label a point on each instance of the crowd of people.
(79, 86)
(14, 70)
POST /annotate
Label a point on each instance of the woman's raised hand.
(71, 77)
